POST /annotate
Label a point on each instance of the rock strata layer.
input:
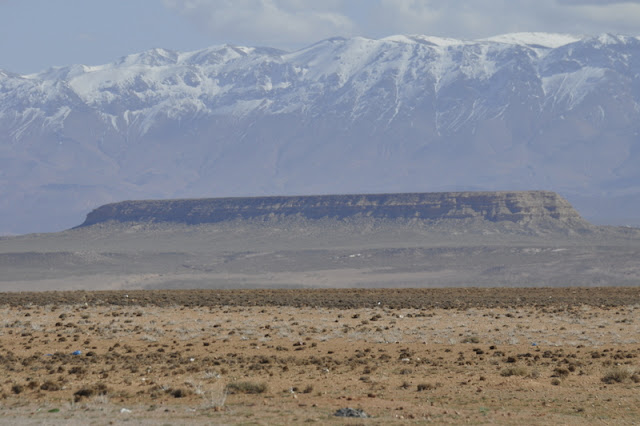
(521, 206)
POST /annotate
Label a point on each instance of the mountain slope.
(400, 114)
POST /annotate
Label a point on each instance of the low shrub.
(246, 388)
(179, 393)
(514, 371)
(50, 386)
(616, 375)
(97, 389)
(426, 387)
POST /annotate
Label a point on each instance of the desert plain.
(410, 356)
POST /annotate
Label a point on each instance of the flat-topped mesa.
(521, 206)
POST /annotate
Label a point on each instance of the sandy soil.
(555, 356)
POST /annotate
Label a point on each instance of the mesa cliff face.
(521, 206)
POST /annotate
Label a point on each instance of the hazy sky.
(36, 34)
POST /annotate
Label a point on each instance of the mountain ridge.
(400, 114)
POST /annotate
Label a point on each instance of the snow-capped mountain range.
(402, 113)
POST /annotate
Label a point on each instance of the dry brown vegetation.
(446, 298)
(519, 356)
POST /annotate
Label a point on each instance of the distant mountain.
(399, 114)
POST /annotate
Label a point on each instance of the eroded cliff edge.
(516, 206)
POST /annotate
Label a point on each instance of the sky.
(37, 34)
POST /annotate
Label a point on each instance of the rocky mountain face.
(400, 114)
(521, 207)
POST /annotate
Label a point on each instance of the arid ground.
(319, 254)
(452, 356)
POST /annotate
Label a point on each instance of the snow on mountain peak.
(239, 80)
(607, 39)
(423, 39)
(440, 41)
(153, 57)
(400, 39)
(532, 39)
(549, 40)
